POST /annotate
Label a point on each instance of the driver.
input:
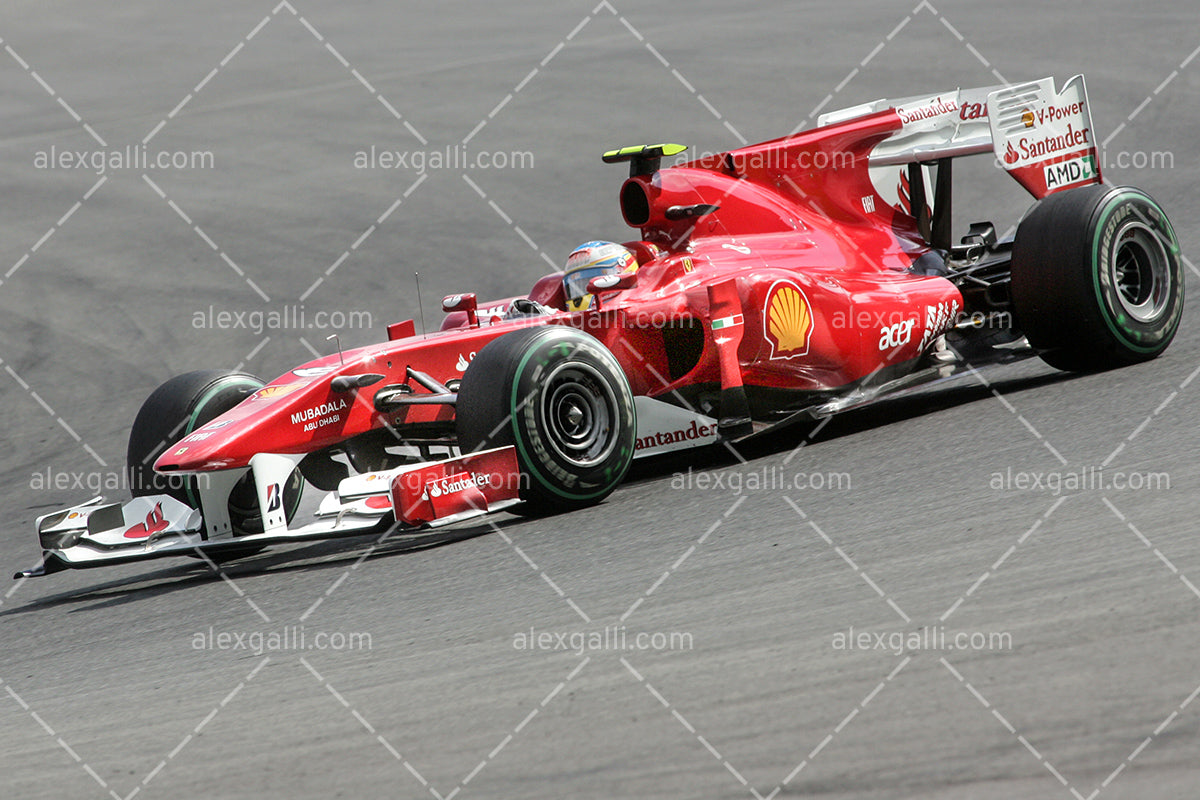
(589, 260)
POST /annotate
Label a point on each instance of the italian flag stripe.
(727, 322)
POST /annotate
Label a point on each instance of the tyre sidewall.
(174, 410)
(555, 477)
(1114, 212)
(1062, 284)
(497, 406)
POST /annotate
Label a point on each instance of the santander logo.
(935, 109)
(456, 483)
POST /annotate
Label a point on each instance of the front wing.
(430, 494)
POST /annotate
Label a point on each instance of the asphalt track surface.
(110, 687)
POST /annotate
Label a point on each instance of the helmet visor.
(576, 283)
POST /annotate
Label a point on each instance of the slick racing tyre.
(562, 399)
(171, 412)
(1096, 278)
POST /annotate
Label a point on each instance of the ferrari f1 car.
(785, 280)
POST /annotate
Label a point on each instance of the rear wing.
(1042, 137)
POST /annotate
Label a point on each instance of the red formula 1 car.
(797, 277)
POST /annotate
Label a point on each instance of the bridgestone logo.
(323, 410)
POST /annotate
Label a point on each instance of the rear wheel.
(1097, 280)
(176, 409)
(562, 399)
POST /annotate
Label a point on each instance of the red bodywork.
(811, 266)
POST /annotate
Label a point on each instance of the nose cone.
(294, 414)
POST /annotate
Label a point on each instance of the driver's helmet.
(589, 260)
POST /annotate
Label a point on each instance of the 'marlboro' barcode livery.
(788, 279)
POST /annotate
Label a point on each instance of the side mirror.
(610, 283)
(462, 302)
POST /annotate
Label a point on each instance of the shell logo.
(787, 320)
(276, 390)
(1027, 118)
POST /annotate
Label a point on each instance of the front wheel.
(1097, 280)
(562, 399)
(176, 409)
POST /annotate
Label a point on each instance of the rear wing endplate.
(1045, 138)
(1042, 137)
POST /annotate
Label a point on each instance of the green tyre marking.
(1114, 325)
(566, 350)
(220, 385)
